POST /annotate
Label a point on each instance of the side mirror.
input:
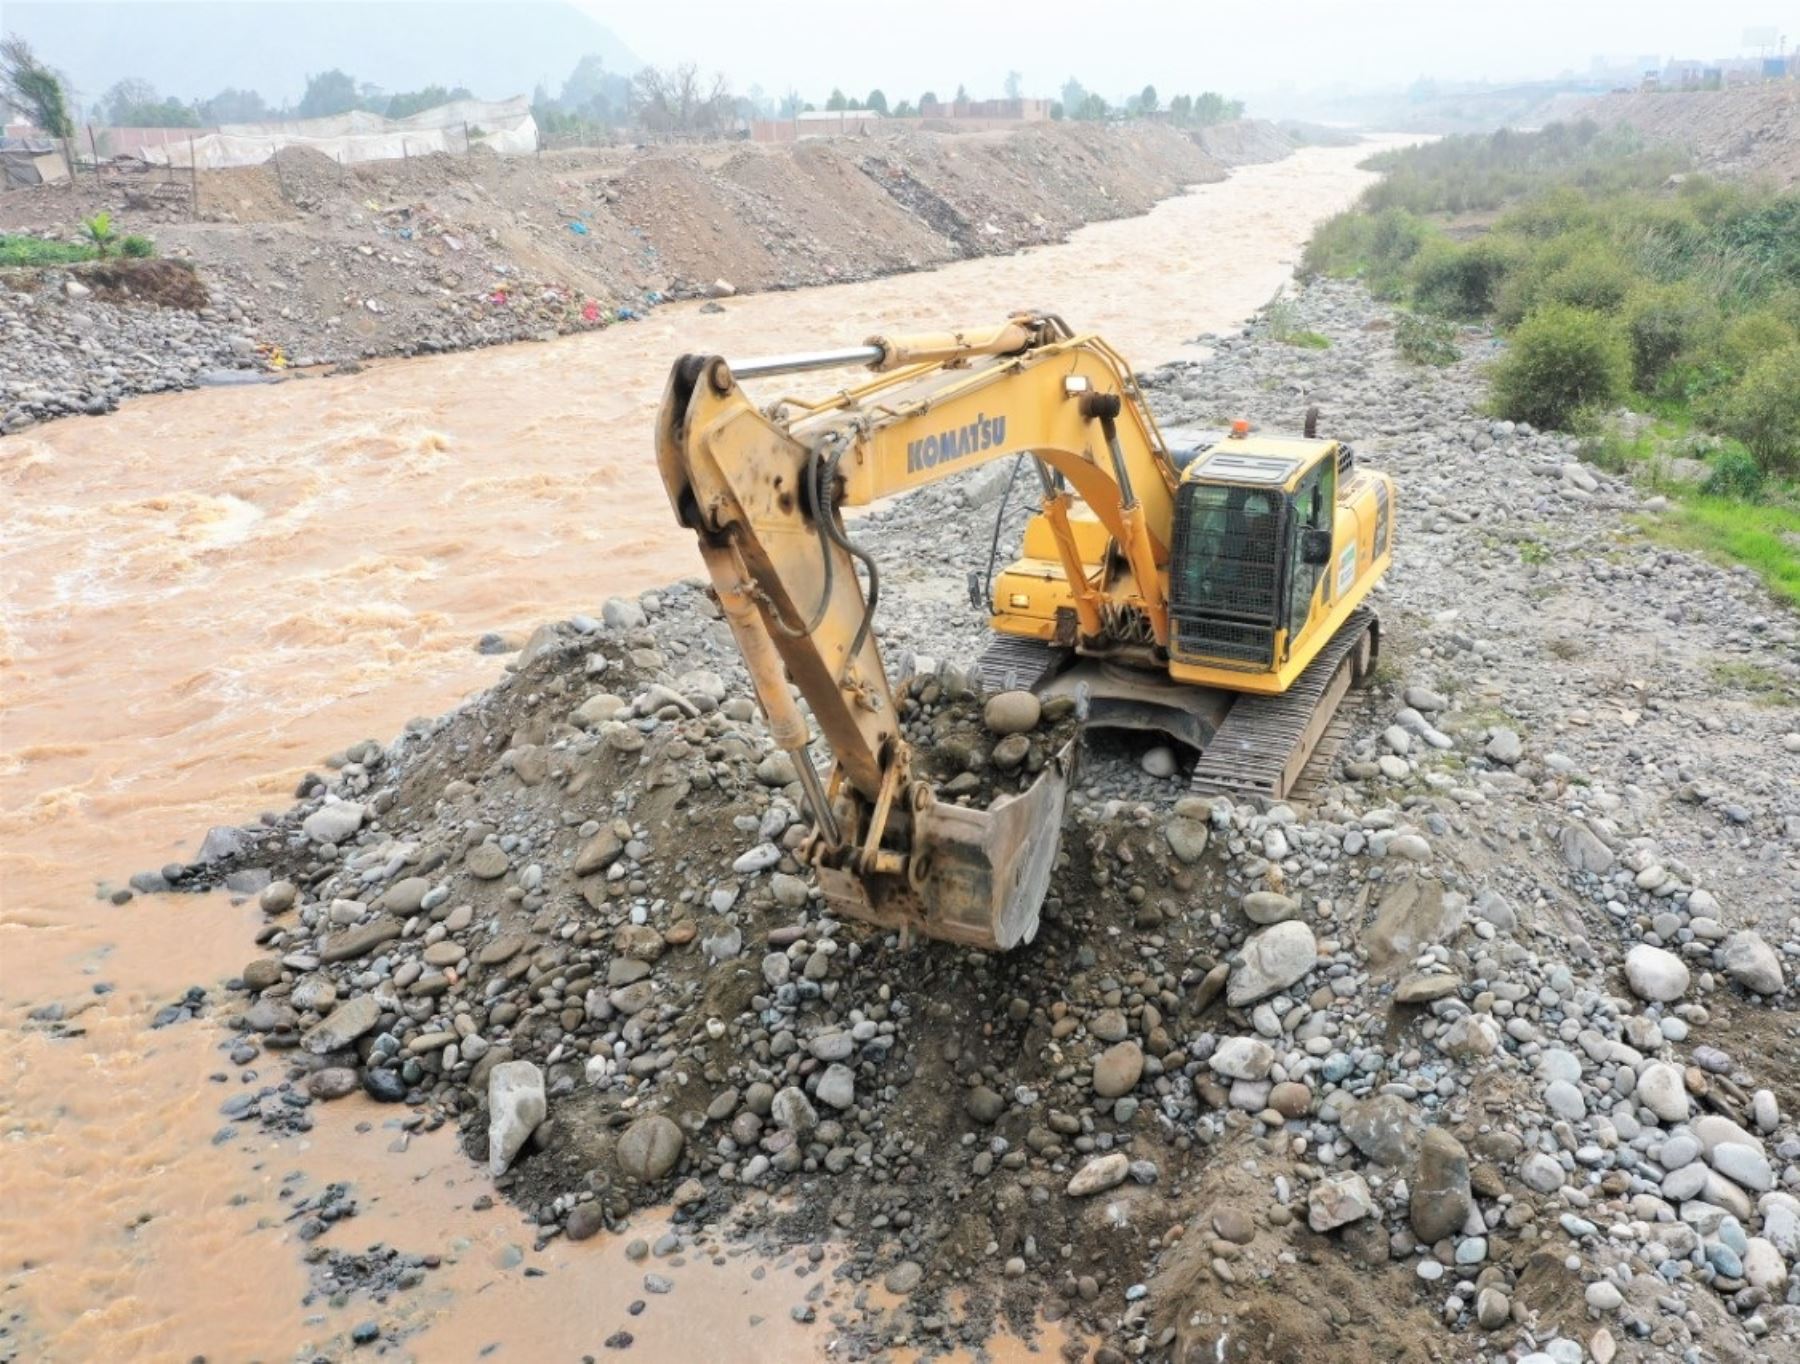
(1315, 548)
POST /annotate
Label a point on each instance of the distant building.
(993, 110)
(817, 123)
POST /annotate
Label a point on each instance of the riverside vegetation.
(1654, 311)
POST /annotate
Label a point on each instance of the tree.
(1181, 108)
(877, 102)
(678, 101)
(904, 109)
(836, 101)
(124, 96)
(790, 104)
(928, 99)
(1015, 85)
(33, 89)
(1074, 95)
(1056, 110)
(234, 106)
(135, 104)
(1147, 101)
(595, 93)
(1093, 109)
(1212, 107)
(411, 102)
(329, 92)
(962, 94)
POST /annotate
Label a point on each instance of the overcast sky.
(910, 45)
(1282, 49)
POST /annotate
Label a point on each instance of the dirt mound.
(1244, 142)
(162, 283)
(1752, 130)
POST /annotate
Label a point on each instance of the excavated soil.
(1751, 131)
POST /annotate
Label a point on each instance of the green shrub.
(1426, 340)
(1339, 246)
(138, 248)
(1661, 323)
(1734, 473)
(1763, 411)
(1554, 213)
(1561, 360)
(1461, 279)
(1593, 278)
(99, 230)
(1394, 239)
(1748, 338)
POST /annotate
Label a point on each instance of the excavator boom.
(763, 494)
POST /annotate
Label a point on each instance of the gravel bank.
(1489, 1053)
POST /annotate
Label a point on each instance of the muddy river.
(203, 594)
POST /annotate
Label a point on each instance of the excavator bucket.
(976, 877)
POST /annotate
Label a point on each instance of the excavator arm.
(763, 489)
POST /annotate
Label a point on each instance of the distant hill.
(194, 50)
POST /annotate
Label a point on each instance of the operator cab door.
(1312, 509)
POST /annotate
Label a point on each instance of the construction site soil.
(1487, 1052)
(1751, 130)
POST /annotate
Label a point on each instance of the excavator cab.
(1253, 534)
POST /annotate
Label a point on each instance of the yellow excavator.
(1209, 585)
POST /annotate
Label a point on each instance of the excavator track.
(1011, 664)
(1273, 747)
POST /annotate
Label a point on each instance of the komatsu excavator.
(1210, 586)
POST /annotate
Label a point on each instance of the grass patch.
(1283, 320)
(1766, 686)
(1764, 537)
(20, 250)
(1533, 552)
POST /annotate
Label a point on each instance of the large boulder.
(1653, 974)
(1441, 1196)
(1117, 1069)
(349, 1021)
(516, 1105)
(1752, 963)
(333, 823)
(650, 1148)
(1012, 712)
(1383, 1128)
(1275, 958)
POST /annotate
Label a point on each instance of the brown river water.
(203, 594)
